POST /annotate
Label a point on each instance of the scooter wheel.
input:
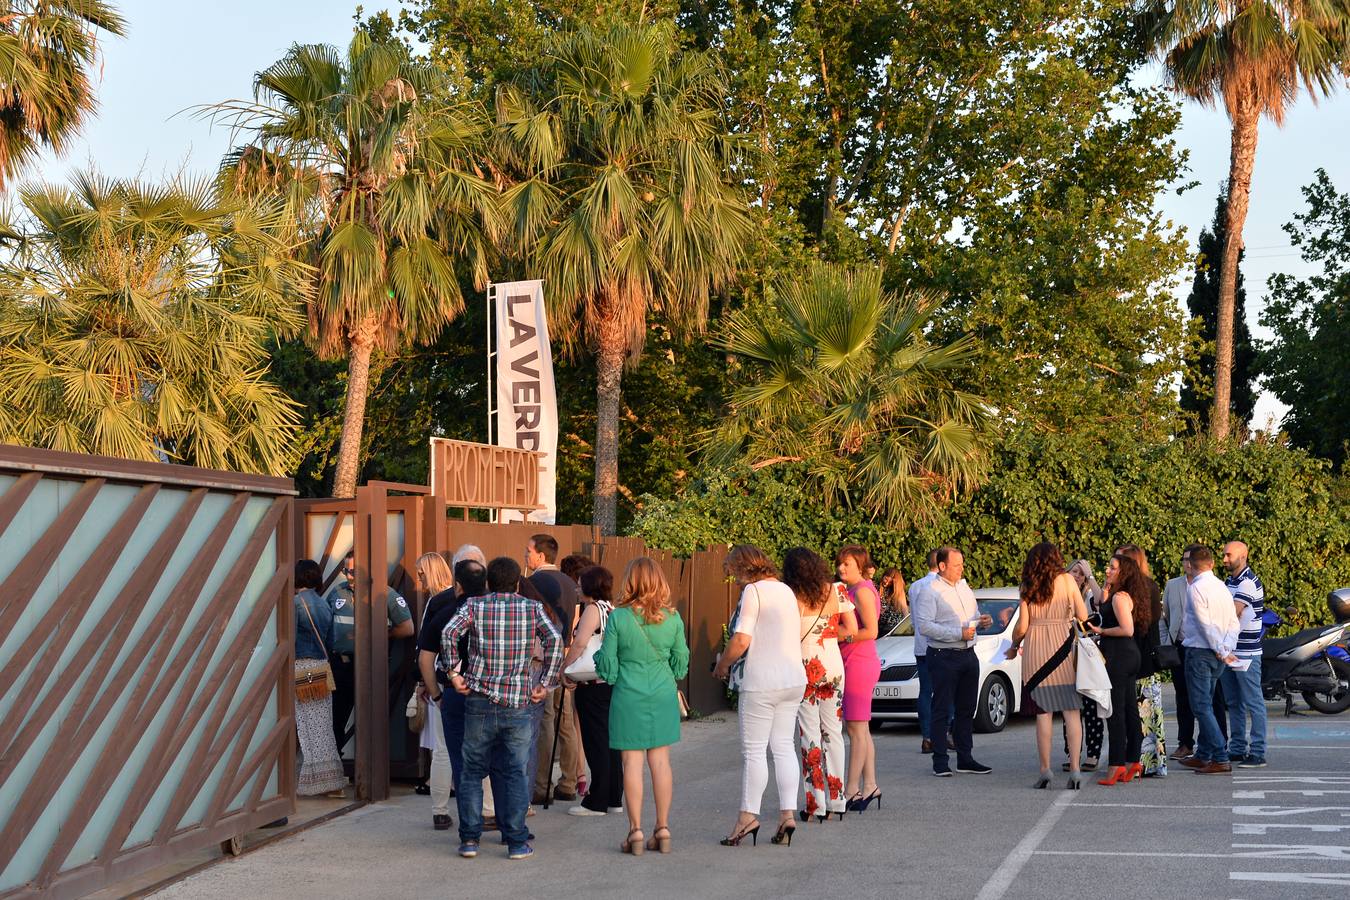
(1338, 701)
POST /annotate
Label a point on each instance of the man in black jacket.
(562, 594)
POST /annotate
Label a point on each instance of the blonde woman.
(436, 584)
(643, 654)
(1094, 727)
(771, 685)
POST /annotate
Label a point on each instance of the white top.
(944, 611)
(768, 613)
(1211, 618)
(920, 642)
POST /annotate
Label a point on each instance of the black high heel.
(735, 839)
(854, 803)
(1042, 783)
(860, 803)
(840, 815)
(784, 834)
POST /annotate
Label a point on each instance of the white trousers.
(768, 720)
(442, 776)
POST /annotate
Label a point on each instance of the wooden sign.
(484, 476)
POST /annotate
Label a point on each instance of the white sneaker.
(614, 809)
(583, 811)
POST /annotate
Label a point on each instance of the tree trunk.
(354, 415)
(609, 359)
(1246, 117)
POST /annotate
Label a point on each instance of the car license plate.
(886, 692)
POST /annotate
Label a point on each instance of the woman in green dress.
(643, 653)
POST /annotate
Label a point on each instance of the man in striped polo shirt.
(1242, 689)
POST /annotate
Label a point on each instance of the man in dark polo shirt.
(563, 595)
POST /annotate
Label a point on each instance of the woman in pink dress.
(862, 669)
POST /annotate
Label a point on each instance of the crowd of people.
(557, 665)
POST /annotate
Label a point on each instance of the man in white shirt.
(947, 616)
(925, 701)
(1209, 634)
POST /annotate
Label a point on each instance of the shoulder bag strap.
(812, 627)
(665, 660)
(305, 604)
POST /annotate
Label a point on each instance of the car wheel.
(991, 714)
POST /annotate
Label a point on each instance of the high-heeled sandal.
(1043, 782)
(1116, 774)
(784, 834)
(875, 795)
(1090, 764)
(631, 846)
(657, 842)
(1135, 770)
(735, 839)
(1075, 780)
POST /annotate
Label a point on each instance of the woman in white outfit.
(763, 661)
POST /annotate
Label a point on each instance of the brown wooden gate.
(146, 645)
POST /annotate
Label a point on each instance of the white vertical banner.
(526, 402)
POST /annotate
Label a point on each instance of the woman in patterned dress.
(1153, 752)
(1050, 603)
(820, 730)
(1094, 728)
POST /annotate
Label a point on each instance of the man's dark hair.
(308, 574)
(932, 559)
(942, 554)
(547, 545)
(1200, 555)
(350, 554)
(573, 564)
(471, 577)
(503, 575)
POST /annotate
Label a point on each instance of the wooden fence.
(146, 647)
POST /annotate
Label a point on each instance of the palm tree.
(840, 377)
(134, 321)
(624, 202)
(47, 49)
(1253, 55)
(376, 164)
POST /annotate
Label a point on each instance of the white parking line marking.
(1261, 795)
(1293, 877)
(1265, 827)
(1292, 851)
(1291, 779)
(1130, 853)
(1287, 810)
(1003, 876)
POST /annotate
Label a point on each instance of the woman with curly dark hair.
(820, 732)
(1050, 603)
(1126, 612)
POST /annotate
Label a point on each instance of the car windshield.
(904, 628)
(1001, 611)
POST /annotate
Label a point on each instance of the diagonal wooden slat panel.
(93, 573)
(14, 499)
(188, 667)
(328, 548)
(262, 759)
(75, 734)
(38, 561)
(255, 705)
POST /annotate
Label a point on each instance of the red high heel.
(1117, 773)
(1134, 770)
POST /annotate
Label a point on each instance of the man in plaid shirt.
(502, 628)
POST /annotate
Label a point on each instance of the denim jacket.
(307, 645)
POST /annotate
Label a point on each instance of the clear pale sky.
(178, 55)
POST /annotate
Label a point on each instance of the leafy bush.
(1088, 494)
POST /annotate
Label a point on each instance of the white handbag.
(1090, 677)
(583, 667)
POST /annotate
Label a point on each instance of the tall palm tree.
(376, 162)
(840, 377)
(1253, 55)
(47, 49)
(134, 321)
(623, 200)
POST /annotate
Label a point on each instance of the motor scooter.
(1309, 662)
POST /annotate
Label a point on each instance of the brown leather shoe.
(1215, 768)
(951, 742)
(926, 746)
(1183, 752)
(1194, 762)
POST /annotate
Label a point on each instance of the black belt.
(933, 649)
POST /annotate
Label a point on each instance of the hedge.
(1088, 494)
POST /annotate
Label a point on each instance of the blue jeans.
(1242, 691)
(1203, 670)
(452, 723)
(497, 742)
(925, 701)
(536, 720)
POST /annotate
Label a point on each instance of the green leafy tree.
(1203, 303)
(48, 49)
(841, 377)
(378, 164)
(1257, 57)
(623, 201)
(1305, 364)
(133, 323)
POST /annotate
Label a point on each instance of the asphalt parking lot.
(1282, 831)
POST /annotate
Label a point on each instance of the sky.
(178, 55)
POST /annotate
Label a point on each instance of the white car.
(896, 695)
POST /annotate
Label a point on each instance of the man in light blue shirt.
(947, 616)
(925, 701)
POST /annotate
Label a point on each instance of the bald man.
(1242, 689)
